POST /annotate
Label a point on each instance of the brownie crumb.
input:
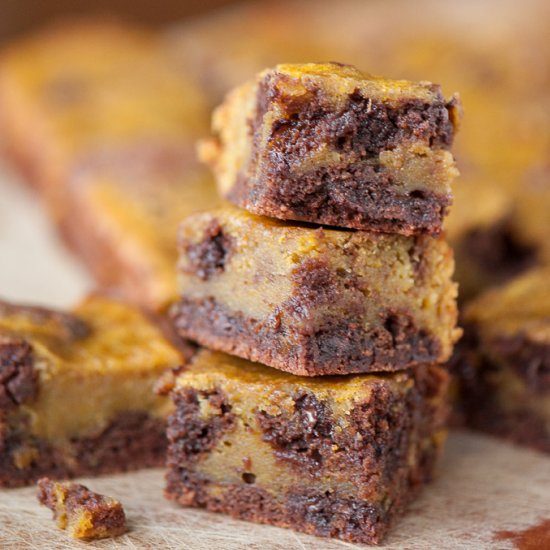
(83, 513)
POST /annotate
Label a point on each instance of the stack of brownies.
(344, 292)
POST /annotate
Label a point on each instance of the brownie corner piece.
(314, 301)
(325, 143)
(83, 513)
(335, 457)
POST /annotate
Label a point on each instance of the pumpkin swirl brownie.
(314, 301)
(480, 228)
(503, 362)
(332, 456)
(325, 143)
(76, 390)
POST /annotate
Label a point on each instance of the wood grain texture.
(484, 486)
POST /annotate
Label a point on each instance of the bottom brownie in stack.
(331, 456)
(76, 390)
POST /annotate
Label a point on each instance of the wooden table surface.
(484, 486)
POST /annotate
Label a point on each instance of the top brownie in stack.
(327, 144)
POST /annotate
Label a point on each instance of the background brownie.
(503, 362)
(480, 228)
(102, 119)
(326, 143)
(314, 301)
(79, 87)
(124, 209)
(333, 456)
(76, 390)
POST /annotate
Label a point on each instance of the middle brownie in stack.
(340, 455)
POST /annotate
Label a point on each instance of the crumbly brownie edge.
(325, 515)
(106, 515)
(132, 440)
(344, 199)
(336, 348)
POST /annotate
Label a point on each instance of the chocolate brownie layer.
(314, 301)
(85, 514)
(327, 144)
(131, 441)
(335, 346)
(335, 456)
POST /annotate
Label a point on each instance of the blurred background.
(19, 16)
(155, 76)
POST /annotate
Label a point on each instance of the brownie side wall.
(490, 256)
(345, 199)
(133, 440)
(338, 347)
(478, 391)
(530, 360)
(309, 512)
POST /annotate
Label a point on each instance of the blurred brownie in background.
(503, 362)
(76, 390)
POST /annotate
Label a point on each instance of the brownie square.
(77, 390)
(325, 143)
(314, 301)
(503, 362)
(335, 456)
